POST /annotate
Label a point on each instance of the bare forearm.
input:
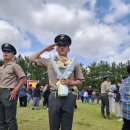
(71, 82)
(20, 84)
(75, 82)
(36, 55)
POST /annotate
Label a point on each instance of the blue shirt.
(81, 93)
(125, 97)
(30, 91)
(37, 92)
(22, 92)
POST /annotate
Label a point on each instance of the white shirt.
(85, 94)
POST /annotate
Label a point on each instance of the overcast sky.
(100, 29)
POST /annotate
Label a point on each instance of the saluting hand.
(51, 47)
(13, 95)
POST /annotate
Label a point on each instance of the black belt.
(104, 93)
(7, 88)
(55, 93)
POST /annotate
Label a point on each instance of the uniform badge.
(62, 36)
(6, 45)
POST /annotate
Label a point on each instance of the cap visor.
(62, 44)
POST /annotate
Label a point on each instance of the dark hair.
(124, 77)
(105, 78)
(38, 85)
(128, 68)
(48, 87)
(113, 82)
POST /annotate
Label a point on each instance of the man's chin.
(62, 54)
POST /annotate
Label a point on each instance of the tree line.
(93, 73)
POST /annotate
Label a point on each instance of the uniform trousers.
(7, 111)
(61, 111)
(105, 104)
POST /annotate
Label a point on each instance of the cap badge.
(6, 45)
(62, 36)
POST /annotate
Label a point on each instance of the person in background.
(78, 95)
(29, 94)
(22, 94)
(45, 88)
(111, 96)
(105, 86)
(85, 96)
(118, 102)
(93, 94)
(75, 93)
(36, 97)
(90, 95)
(122, 81)
(125, 101)
(46, 97)
(82, 95)
(98, 95)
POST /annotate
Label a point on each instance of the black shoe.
(104, 116)
(108, 117)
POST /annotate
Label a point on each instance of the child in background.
(36, 97)
(46, 97)
(85, 96)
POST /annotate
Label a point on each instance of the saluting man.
(61, 108)
(12, 78)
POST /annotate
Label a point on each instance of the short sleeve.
(78, 73)
(42, 62)
(18, 71)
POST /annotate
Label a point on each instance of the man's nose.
(62, 47)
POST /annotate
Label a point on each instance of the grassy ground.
(87, 117)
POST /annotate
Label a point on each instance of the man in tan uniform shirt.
(60, 108)
(104, 97)
(12, 78)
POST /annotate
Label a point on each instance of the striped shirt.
(125, 97)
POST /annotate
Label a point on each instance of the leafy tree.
(93, 73)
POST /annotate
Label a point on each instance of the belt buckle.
(10, 89)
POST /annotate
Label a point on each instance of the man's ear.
(14, 58)
(68, 49)
(56, 48)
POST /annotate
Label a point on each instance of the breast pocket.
(9, 73)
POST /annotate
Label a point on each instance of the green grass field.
(87, 117)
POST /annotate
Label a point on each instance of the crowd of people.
(87, 95)
(35, 93)
(113, 97)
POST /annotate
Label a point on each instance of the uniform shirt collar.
(9, 63)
